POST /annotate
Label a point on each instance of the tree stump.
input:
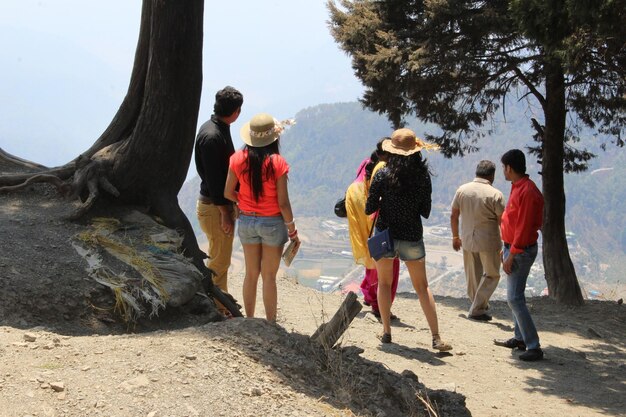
(328, 333)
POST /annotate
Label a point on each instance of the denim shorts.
(265, 230)
(407, 250)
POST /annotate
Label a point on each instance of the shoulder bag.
(340, 205)
(381, 243)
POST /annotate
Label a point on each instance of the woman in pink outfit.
(360, 224)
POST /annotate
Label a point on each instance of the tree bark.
(328, 333)
(559, 269)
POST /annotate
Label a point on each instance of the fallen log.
(328, 333)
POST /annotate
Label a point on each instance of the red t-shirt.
(522, 216)
(268, 201)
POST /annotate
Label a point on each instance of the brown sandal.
(440, 345)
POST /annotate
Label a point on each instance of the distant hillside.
(329, 141)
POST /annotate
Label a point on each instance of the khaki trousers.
(482, 270)
(220, 244)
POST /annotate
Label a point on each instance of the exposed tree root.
(214, 291)
(90, 176)
(62, 187)
(27, 169)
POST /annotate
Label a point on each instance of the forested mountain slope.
(329, 141)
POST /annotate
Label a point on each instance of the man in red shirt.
(521, 221)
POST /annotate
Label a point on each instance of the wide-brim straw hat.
(405, 142)
(262, 130)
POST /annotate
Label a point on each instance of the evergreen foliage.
(455, 62)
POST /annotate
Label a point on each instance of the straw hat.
(262, 130)
(404, 142)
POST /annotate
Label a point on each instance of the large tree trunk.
(150, 139)
(146, 149)
(559, 269)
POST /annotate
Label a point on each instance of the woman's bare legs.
(384, 267)
(417, 272)
(270, 261)
(252, 255)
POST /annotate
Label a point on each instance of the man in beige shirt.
(481, 206)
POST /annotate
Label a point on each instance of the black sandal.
(376, 314)
(384, 338)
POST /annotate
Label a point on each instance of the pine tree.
(455, 63)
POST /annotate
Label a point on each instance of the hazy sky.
(66, 64)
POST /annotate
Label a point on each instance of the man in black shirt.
(213, 149)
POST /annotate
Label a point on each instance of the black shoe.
(366, 303)
(511, 343)
(376, 314)
(481, 317)
(532, 355)
(384, 338)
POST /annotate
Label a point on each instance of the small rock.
(256, 392)
(85, 368)
(61, 396)
(151, 414)
(131, 384)
(57, 386)
(29, 337)
(44, 385)
(190, 357)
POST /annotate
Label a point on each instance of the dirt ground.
(61, 354)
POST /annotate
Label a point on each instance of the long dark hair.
(254, 166)
(375, 158)
(370, 165)
(406, 172)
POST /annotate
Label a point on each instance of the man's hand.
(456, 243)
(507, 264)
(227, 223)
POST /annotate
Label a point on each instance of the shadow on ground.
(568, 372)
(338, 376)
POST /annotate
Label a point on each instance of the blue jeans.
(262, 230)
(515, 286)
(406, 250)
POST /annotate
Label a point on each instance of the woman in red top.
(265, 218)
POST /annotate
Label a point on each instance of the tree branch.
(530, 86)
